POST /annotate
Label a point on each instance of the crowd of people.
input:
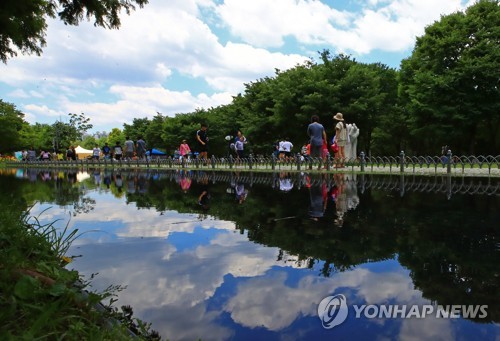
(343, 146)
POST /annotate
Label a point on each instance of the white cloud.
(19, 93)
(114, 76)
(391, 26)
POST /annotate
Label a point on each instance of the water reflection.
(242, 255)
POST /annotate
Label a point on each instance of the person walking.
(202, 139)
(118, 151)
(106, 151)
(287, 149)
(129, 148)
(184, 151)
(340, 138)
(141, 148)
(96, 152)
(239, 145)
(317, 133)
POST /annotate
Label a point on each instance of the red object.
(335, 148)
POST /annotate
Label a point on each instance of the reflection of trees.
(59, 188)
(451, 252)
(83, 205)
(456, 260)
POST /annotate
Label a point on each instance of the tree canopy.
(450, 83)
(23, 23)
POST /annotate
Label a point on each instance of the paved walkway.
(457, 170)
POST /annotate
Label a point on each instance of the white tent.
(82, 153)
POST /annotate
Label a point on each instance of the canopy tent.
(154, 152)
(82, 153)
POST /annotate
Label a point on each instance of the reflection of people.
(107, 178)
(340, 138)
(131, 181)
(351, 191)
(340, 198)
(204, 197)
(118, 181)
(286, 183)
(97, 177)
(185, 182)
(317, 202)
(352, 144)
(241, 192)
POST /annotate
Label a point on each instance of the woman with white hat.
(340, 138)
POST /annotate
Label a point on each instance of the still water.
(221, 256)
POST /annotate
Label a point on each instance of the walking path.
(487, 170)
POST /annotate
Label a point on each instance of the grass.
(41, 299)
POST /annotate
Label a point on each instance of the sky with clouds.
(179, 55)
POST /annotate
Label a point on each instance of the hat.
(338, 117)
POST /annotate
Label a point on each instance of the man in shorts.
(202, 139)
(129, 148)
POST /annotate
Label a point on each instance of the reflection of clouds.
(271, 303)
(268, 302)
(426, 329)
(166, 290)
(128, 221)
(187, 323)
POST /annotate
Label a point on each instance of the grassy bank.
(41, 299)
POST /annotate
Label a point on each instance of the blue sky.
(179, 55)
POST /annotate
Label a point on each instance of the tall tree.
(80, 123)
(11, 124)
(23, 23)
(153, 132)
(116, 135)
(63, 135)
(450, 82)
(137, 128)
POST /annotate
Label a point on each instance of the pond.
(246, 256)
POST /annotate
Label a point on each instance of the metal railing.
(369, 164)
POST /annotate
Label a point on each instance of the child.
(239, 147)
(184, 150)
(324, 152)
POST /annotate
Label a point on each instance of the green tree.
(153, 133)
(43, 136)
(137, 128)
(11, 124)
(80, 123)
(450, 82)
(63, 135)
(116, 135)
(23, 23)
(89, 142)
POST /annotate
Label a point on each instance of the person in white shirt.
(96, 152)
(287, 148)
